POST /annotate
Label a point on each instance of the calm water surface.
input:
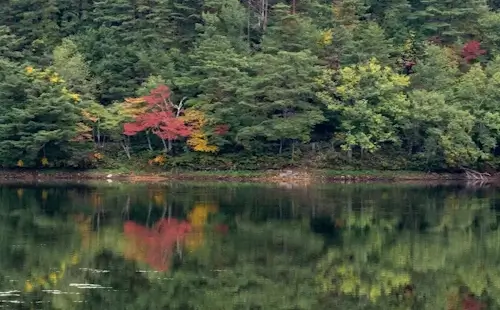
(208, 246)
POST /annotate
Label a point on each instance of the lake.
(246, 246)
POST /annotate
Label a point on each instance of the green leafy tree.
(370, 104)
(72, 67)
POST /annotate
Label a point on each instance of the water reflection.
(221, 246)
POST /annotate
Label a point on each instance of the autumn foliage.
(159, 117)
(472, 50)
(156, 112)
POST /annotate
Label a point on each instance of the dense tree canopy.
(410, 81)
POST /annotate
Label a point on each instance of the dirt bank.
(298, 177)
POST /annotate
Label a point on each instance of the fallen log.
(471, 174)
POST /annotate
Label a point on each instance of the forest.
(250, 84)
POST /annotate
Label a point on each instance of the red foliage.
(472, 50)
(158, 96)
(158, 242)
(221, 129)
(160, 117)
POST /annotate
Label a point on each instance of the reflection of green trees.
(392, 247)
(379, 260)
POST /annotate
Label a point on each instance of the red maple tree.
(472, 50)
(161, 117)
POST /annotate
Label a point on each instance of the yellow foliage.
(134, 100)
(28, 287)
(75, 259)
(29, 69)
(55, 78)
(44, 161)
(326, 37)
(199, 215)
(158, 160)
(20, 163)
(194, 118)
(198, 141)
(53, 277)
(75, 97)
(374, 66)
(198, 218)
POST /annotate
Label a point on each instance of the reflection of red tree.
(471, 303)
(154, 246)
(467, 302)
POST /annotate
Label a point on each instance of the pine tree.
(40, 120)
(227, 18)
(10, 45)
(115, 16)
(449, 20)
(289, 32)
(214, 79)
(393, 17)
(35, 23)
(185, 15)
(279, 100)
(113, 62)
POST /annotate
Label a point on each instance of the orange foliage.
(97, 155)
(88, 116)
(133, 107)
(84, 133)
(159, 160)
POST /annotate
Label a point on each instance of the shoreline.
(299, 177)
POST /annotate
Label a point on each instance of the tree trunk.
(263, 13)
(126, 147)
(149, 141)
(99, 136)
(165, 147)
